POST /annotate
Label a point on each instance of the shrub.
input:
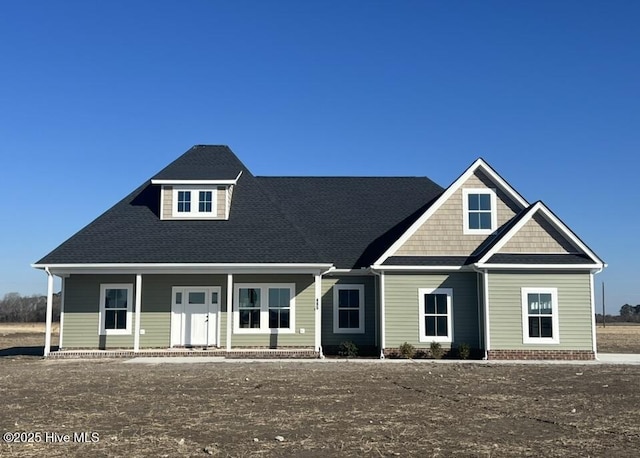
(348, 349)
(407, 350)
(436, 350)
(464, 350)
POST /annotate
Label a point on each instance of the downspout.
(382, 311)
(485, 304)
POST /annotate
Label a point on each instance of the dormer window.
(479, 211)
(194, 203)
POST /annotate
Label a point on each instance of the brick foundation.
(248, 353)
(580, 355)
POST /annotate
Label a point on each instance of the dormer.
(195, 199)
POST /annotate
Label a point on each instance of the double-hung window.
(435, 314)
(264, 308)
(194, 203)
(479, 211)
(540, 316)
(348, 309)
(116, 305)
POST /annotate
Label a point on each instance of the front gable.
(444, 229)
(538, 235)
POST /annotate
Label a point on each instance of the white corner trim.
(478, 164)
(526, 339)
(550, 217)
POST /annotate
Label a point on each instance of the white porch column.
(318, 313)
(382, 316)
(47, 332)
(229, 309)
(138, 305)
(60, 331)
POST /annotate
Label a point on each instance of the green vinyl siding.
(402, 310)
(82, 310)
(574, 309)
(304, 314)
(370, 331)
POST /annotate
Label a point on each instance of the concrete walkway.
(603, 358)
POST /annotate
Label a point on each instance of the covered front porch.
(230, 311)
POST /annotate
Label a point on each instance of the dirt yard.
(319, 409)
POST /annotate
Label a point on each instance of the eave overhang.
(186, 268)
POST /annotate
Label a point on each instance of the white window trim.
(554, 316)
(195, 202)
(336, 328)
(465, 211)
(441, 339)
(264, 309)
(102, 314)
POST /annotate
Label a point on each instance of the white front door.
(194, 317)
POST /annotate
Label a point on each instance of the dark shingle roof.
(352, 220)
(346, 221)
(197, 164)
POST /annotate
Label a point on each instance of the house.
(205, 254)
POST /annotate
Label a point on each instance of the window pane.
(441, 323)
(184, 201)
(178, 298)
(354, 298)
(121, 320)
(278, 318)
(441, 304)
(249, 298)
(349, 319)
(546, 327)
(214, 298)
(250, 318)
(279, 297)
(545, 304)
(474, 220)
(474, 202)
(430, 325)
(110, 319)
(485, 202)
(204, 203)
(534, 327)
(343, 298)
(430, 303)
(485, 220)
(197, 298)
(534, 304)
(115, 298)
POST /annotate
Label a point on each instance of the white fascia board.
(478, 164)
(559, 225)
(197, 182)
(414, 268)
(539, 266)
(183, 268)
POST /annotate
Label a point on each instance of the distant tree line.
(15, 308)
(628, 314)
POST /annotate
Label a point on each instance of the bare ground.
(615, 338)
(319, 409)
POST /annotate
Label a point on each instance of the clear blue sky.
(95, 97)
